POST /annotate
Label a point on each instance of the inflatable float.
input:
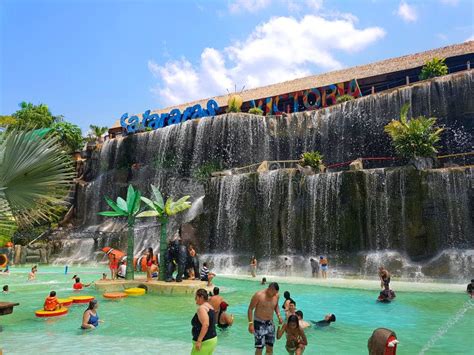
(65, 302)
(115, 295)
(43, 314)
(81, 299)
(3, 260)
(135, 291)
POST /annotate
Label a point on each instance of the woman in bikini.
(149, 264)
(295, 338)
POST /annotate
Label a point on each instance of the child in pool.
(51, 303)
(295, 337)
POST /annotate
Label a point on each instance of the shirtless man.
(216, 300)
(384, 277)
(261, 325)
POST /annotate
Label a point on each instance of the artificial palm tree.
(97, 132)
(35, 177)
(126, 208)
(163, 211)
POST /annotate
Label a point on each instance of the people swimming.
(384, 276)
(32, 274)
(51, 302)
(78, 285)
(291, 310)
(470, 288)
(90, 318)
(328, 319)
(295, 337)
(224, 320)
(303, 324)
(264, 281)
(216, 299)
(5, 290)
(386, 295)
(288, 299)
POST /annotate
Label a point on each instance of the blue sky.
(91, 61)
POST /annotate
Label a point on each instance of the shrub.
(414, 138)
(256, 111)
(234, 103)
(312, 159)
(344, 98)
(433, 68)
(205, 170)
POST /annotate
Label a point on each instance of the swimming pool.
(426, 322)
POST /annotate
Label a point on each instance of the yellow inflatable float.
(59, 312)
(135, 291)
(65, 302)
(81, 299)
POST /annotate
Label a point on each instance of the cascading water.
(282, 213)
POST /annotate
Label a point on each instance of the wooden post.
(408, 80)
(373, 89)
(468, 65)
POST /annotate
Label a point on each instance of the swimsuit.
(221, 326)
(264, 333)
(93, 320)
(209, 342)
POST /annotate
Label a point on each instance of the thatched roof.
(362, 71)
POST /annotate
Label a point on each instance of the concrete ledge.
(154, 287)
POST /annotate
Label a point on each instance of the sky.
(93, 60)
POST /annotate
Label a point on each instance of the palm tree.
(35, 177)
(97, 132)
(126, 208)
(163, 211)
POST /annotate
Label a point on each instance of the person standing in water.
(32, 274)
(204, 325)
(470, 288)
(253, 266)
(323, 264)
(314, 267)
(384, 278)
(295, 337)
(90, 318)
(260, 317)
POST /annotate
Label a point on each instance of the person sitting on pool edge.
(79, 285)
(90, 318)
(206, 275)
(51, 303)
(121, 270)
(470, 288)
(328, 319)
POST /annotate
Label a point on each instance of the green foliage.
(165, 161)
(35, 177)
(6, 121)
(414, 138)
(344, 98)
(256, 111)
(31, 116)
(69, 135)
(433, 68)
(124, 208)
(204, 172)
(96, 133)
(233, 105)
(312, 159)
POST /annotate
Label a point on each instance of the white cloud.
(450, 2)
(407, 12)
(442, 37)
(283, 48)
(470, 39)
(238, 6)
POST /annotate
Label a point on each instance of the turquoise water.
(431, 323)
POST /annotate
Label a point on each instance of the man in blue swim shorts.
(261, 325)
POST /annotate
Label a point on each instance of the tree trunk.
(163, 248)
(129, 275)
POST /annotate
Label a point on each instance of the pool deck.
(154, 287)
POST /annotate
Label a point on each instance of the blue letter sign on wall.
(155, 120)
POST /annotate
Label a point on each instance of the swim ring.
(115, 295)
(81, 299)
(43, 314)
(3, 260)
(135, 291)
(65, 302)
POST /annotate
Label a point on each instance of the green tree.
(414, 138)
(433, 68)
(6, 121)
(35, 177)
(31, 116)
(126, 208)
(163, 211)
(68, 134)
(97, 132)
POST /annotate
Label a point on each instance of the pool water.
(426, 323)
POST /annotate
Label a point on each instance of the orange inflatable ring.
(43, 314)
(65, 302)
(115, 295)
(81, 299)
(3, 260)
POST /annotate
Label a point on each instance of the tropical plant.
(416, 137)
(344, 98)
(312, 159)
(31, 116)
(435, 67)
(126, 208)
(234, 104)
(35, 177)
(69, 135)
(163, 211)
(205, 170)
(256, 111)
(6, 121)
